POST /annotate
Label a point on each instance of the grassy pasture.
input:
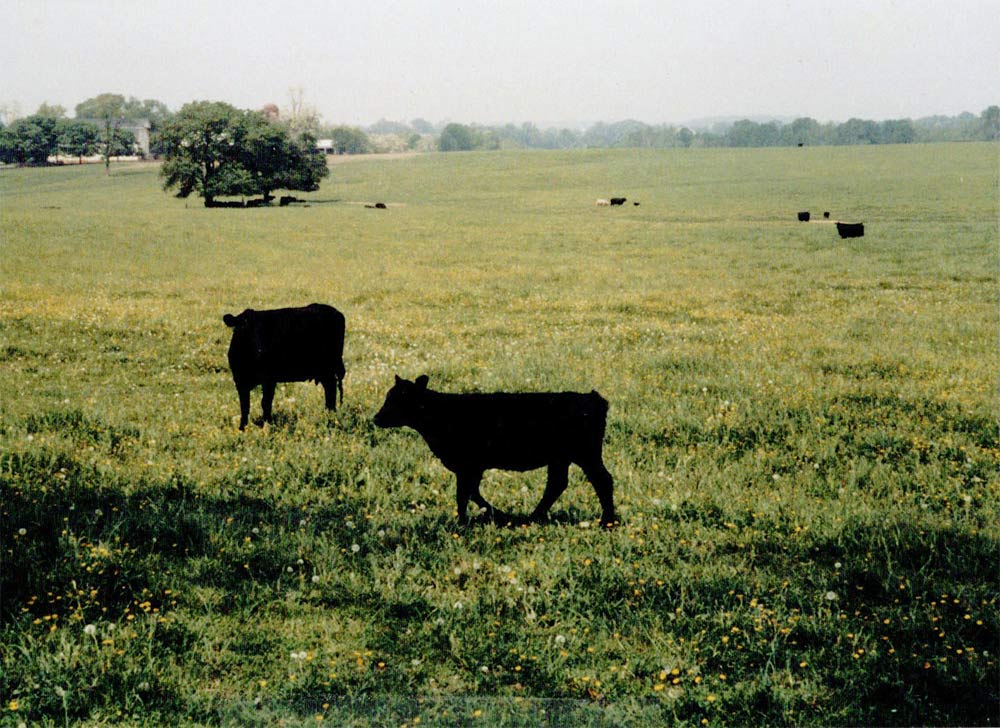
(803, 434)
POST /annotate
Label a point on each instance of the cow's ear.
(421, 382)
(399, 379)
(229, 320)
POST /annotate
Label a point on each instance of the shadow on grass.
(131, 546)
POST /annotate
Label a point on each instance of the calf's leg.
(267, 399)
(603, 483)
(467, 485)
(555, 485)
(330, 393)
(244, 393)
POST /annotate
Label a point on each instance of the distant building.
(140, 130)
(326, 145)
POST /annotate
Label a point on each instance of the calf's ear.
(229, 320)
(421, 382)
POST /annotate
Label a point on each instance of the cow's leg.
(467, 486)
(244, 393)
(330, 393)
(267, 398)
(603, 483)
(555, 485)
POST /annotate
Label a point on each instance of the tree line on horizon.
(97, 128)
(743, 133)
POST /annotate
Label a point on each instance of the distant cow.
(826, 215)
(472, 433)
(617, 201)
(851, 229)
(286, 345)
(803, 217)
(602, 203)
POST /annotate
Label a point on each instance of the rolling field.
(803, 434)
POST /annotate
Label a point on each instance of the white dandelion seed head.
(90, 630)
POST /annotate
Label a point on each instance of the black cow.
(617, 201)
(803, 217)
(286, 345)
(851, 229)
(826, 215)
(472, 433)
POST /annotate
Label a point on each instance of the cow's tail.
(600, 412)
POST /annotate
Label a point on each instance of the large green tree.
(457, 138)
(30, 140)
(110, 111)
(217, 150)
(990, 123)
(349, 140)
(78, 138)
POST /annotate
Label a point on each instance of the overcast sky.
(546, 61)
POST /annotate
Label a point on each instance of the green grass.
(803, 434)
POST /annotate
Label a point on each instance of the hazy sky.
(547, 61)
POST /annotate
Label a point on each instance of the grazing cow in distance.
(803, 217)
(851, 229)
(617, 201)
(380, 206)
(472, 433)
(602, 203)
(636, 204)
(826, 215)
(286, 345)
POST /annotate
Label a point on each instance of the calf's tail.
(600, 412)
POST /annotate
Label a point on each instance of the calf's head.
(240, 322)
(403, 403)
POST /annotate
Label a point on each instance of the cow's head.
(403, 403)
(239, 322)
